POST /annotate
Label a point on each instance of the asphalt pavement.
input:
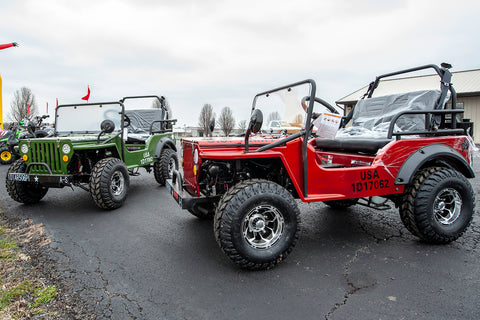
(151, 260)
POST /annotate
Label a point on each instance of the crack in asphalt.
(393, 228)
(476, 239)
(386, 237)
(102, 301)
(354, 288)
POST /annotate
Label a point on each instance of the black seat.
(357, 145)
(136, 135)
(136, 139)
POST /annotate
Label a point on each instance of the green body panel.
(51, 151)
(145, 155)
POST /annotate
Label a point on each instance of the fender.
(164, 143)
(434, 151)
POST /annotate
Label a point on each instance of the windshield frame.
(304, 133)
(313, 88)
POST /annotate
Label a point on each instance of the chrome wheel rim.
(171, 166)
(263, 226)
(447, 206)
(117, 183)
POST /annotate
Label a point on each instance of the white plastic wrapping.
(372, 116)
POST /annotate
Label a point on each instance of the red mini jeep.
(405, 148)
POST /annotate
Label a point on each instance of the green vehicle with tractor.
(97, 147)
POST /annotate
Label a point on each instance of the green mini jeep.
(96, 147)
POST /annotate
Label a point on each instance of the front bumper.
(184, 199)
(48, 180)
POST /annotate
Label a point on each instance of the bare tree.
(206, 115)
(157, 105)
(298, 119)
(242, 125)
(226, 122)
(23, 101)
(273, 116)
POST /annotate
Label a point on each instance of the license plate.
(19, 177)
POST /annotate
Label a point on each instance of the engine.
(216, 177)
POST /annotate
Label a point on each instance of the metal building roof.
(466, 83)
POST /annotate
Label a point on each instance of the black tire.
(109, 183)
(438, 206)
(6, 157)
(163, 168)
(40, 134)
(203, 212)
(341, 204)
(243, 215)
(24, 192)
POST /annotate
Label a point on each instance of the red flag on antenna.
(88, 94)
(28, 108)
(47, 107)
(8, 45)
(57, 104)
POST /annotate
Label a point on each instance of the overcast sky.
(223, 52)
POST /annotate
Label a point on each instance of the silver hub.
(117, 183)
(257, 223)
(171, 166)
(447, 206)
(263, 226)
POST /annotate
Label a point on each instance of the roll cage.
(165, 122)
(431, 116)
(120, 121)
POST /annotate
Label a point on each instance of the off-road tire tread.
(40, 134)
(416, 199)
(22, 191)
(232, 201)
(99, 186)
(160, 167)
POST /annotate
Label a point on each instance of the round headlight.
(195, 156)
(24, 148)
(66, 148)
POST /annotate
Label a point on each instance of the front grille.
(46, 152)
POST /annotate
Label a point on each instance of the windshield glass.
(86, 118)
(282, 108)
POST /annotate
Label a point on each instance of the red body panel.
(354, 176)
(191, 182)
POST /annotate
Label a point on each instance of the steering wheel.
(321, 101)
(126, 121)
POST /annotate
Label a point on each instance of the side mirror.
(255, 124)
(256, 121)
(211, 127)
(107, 126)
